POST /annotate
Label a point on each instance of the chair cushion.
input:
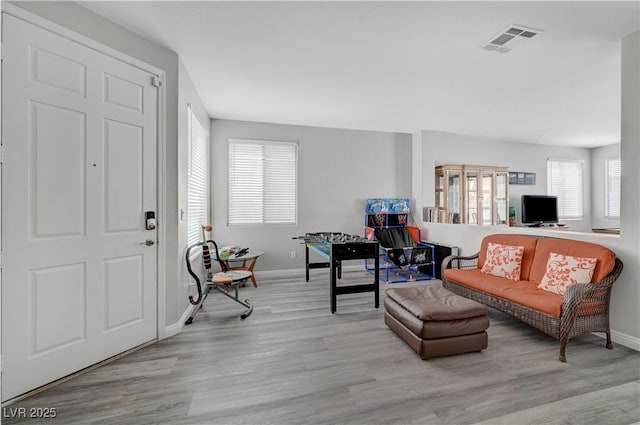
(230, 277)
(414, 232)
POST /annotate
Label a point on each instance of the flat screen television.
(539, 209)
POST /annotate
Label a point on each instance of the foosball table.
(336, 247)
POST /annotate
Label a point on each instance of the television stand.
(549, 226)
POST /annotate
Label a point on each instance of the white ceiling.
(400, 66)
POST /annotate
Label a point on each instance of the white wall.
(338, 170)
(447, 148)
(626, 316)
(598, 185)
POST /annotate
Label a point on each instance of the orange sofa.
(583, 308)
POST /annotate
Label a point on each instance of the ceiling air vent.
(510, 38)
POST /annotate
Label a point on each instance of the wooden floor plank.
(293, 362)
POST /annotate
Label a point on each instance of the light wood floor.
(293, 362)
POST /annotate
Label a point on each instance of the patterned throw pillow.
(503, 260)
(565, 270)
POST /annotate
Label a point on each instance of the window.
(263, 182)
(198, 176)
(613, 170)
(564, 180)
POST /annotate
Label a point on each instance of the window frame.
(264, 144)
(194, 232)
(607, 211)
(579, 188)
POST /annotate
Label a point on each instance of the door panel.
(123, 296)
(123, 93)
(57, 71)
(123, 179)
(79, 137)
(58, 307)
(57, 213)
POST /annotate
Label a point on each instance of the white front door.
(79, 172)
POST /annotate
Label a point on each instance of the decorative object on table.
(228, 251)
(512, 216)
(236, 258)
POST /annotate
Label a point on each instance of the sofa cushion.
(503, 260)
(474, 278)
(528, 242)
(529, 295)
(564, 271)
(606, 258)
(522, 292)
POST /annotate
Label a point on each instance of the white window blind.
(263, 182)
(613, 171)
(564, 180)
(198, 176)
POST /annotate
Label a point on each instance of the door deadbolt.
(150, 220)
(149, 242)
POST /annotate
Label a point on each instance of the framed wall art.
(520, 177)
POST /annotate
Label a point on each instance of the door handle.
(148, 242)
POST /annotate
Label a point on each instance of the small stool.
(436, 322)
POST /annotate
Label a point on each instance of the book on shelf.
(439, 215)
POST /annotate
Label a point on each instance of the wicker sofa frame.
(581, 312)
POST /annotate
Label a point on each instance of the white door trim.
(161, 168)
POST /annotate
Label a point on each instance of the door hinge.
(1, 154)
(1, 259)
(156, 81)
(1, 50)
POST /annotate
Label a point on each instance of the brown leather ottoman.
(436, 322)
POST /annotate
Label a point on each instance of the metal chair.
(222, 281)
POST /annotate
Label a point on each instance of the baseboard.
(622, 339)
(176, 328)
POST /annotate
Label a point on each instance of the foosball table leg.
(306, 261)
(332, 283)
